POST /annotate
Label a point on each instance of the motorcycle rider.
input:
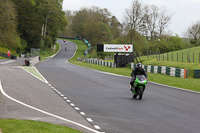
(137, 71)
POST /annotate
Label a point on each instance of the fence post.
(193, 57)
(163, 57)
(159, 55)
(172, 56)
(177, 56)
(199, 57)
(182, 57)
(167, 56)
(150, 54)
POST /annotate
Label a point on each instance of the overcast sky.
(185, 12)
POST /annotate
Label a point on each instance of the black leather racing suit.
(137, 71)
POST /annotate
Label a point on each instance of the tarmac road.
(107, 100)
(23, 87)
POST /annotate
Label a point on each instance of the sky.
(184, 12)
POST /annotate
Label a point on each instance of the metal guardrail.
(6, 56)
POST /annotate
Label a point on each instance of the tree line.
(144, 26)
(26, 24)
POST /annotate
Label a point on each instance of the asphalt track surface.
(25, 88)
(107, 100)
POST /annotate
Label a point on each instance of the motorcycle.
(139, 86)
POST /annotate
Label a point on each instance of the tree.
(134, 18)
(8, 25)
(29, 22)
(115, 27)
(105, 14)
(164, 21)
(53, 16)
(78, 21)
(193, 32)
(87, 21)
(90, 29)
(151, 19)
(104, 33)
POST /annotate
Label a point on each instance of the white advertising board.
(118, 48)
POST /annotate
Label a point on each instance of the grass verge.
(45, 54)
(33, 71)
(3, 57)
(27, 126)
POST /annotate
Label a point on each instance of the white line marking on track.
(65, 98)
(76, 108)
(97, 127)
(89, 119)
(44, 112)
(41, 75)
(72, 104)
(6, 62)
(175, 87)
(68, 101)
(82, 113)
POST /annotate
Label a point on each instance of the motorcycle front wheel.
(140, 93)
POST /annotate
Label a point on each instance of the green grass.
(189, 66)
(3, 57)
(47, 53)
(80, 49)
(32, 70)
(27, 126)
(184, 52)
(189, 84)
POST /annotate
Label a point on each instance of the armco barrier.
(171, 71)
(98, 62)
(6, 56)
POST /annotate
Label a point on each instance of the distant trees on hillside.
(141, 24)
(8, 25)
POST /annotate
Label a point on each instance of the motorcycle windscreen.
(141, 77)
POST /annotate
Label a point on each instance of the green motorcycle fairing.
(140, 81)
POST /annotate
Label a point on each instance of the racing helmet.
(139, 65)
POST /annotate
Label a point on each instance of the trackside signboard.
(118, 48)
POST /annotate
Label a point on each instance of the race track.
(107, 100)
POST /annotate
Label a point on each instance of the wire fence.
(184, 57)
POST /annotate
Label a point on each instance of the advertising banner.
(118, 48)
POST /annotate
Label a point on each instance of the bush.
(48, 42)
